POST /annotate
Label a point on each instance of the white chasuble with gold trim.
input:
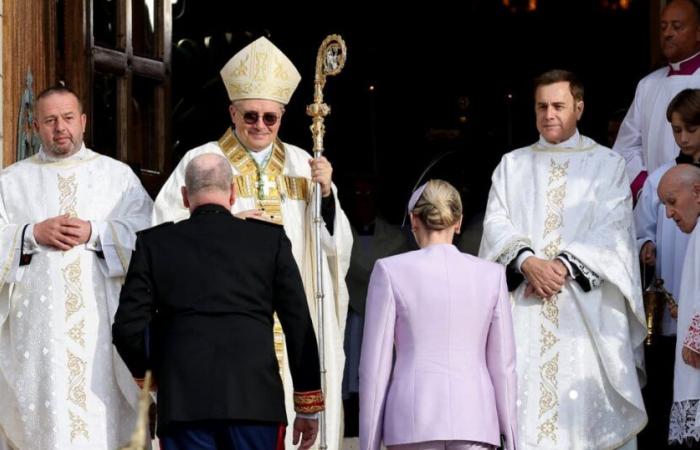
(62, 385)
(286, 199)
(576, 351)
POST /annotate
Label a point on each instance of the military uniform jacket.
(197, 307)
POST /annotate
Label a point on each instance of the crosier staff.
(330, 60)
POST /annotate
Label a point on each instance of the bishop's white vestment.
(62, 384)
(576, 351)
(284, 191)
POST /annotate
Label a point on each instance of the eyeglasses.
(252, 117)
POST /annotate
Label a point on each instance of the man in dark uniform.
(197, 308)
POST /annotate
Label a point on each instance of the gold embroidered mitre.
(260, 71)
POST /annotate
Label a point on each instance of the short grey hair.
(208, 172)
(688, 174)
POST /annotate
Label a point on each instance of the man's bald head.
(679, 190)
(208, 179)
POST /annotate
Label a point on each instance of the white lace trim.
(682, 428)
(511, 251)
(593, 278)
(692, 339)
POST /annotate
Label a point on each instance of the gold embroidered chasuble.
(576, 351)
(61, 383)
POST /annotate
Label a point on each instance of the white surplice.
(645, 138)
(62, 384)
(652, 225)
(297, 219)
(577, 351)
(685, 421)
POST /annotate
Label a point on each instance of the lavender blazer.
(448, 316)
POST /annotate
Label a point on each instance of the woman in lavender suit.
(447, 315)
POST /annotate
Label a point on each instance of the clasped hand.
(62, 232)
(544, 277)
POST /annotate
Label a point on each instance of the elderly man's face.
(60, 124)
(680, 31)
(257, 122)
(557, 112)
(682, 203)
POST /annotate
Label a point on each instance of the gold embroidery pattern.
(308, 402)
(548, 397)
(548, 429)
(259, 66)
(67, 188)
(76, 380)
(550, 310)
(73, 288)
(78, 427)
(280, 72)
(242, 69)
(277, 186)
(77, 333)
(555, 196)
(557, 171)
(293, 188)
(555, 209)
(547, 340)
(552, 249)
(549, 370)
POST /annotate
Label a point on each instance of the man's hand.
(80, 229)
(62, 232)
(252, 213)
(545, 278)
(321, 171)
(647, 255)
(673, 310)
(690, 357)
(307, 429)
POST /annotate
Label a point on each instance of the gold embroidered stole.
(275, 186)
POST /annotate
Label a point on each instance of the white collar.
(261, 155)
(77, 156)
(677, 65)
(572, 142)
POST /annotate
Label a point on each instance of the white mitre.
(260, 71)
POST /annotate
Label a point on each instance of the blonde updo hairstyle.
(439, 206)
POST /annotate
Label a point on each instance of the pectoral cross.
(266, 186)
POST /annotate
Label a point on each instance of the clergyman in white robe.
(685, 423)
(62, 384)
(645, 140)
(287, 199)
(679, 190)
(652, 225)
(577, 384)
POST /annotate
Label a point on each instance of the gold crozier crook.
(330, 60)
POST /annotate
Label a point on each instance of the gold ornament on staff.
(330, 60)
